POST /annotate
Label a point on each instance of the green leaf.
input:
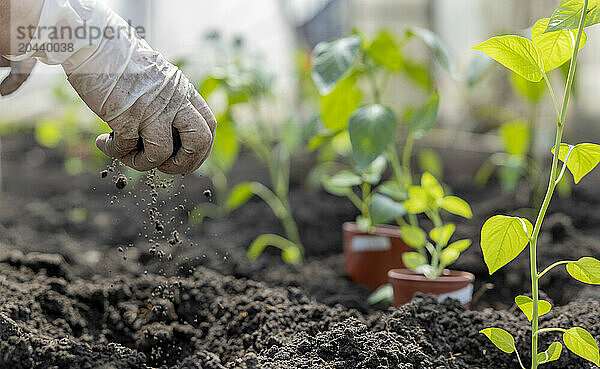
(341, 183)
(501, 339)
(418, 200)
(48, 133)
(332, 60)
(586, 270)
(502, 239)
(430, 161)
(413, 260)
(338, 106)
(581, 343)
(552, 354)
(515, 137)
(226, 147)
(373, 173)
(384, 51)
(583, 159)
(526, 305)
(460, 245)
(371, 129)
(568, 15)
(383, 209)
(383, 294)
(423, 119)
(458, 206)
(432, 186)
(208, 86)
(449, 256)
(441, 235)
(394, 190)
(555, 48)
(530, 91)
(438, 47)
(239, 195)
(516, 53)
(290, 252)
(413, 236)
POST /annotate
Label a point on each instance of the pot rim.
(379, 230)
(449, 276)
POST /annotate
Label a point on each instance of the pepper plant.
(374, 132)
(554, 41)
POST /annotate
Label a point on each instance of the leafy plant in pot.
(426, 266)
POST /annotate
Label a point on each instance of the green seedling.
(514, 163)
(434, 253)
(374, 132)
(554, 42)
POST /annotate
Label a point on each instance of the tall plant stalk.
(552, 183)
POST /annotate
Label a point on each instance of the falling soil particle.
(104, 173)
(121, 182)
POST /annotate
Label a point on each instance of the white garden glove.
(130, 86)
(19, 73)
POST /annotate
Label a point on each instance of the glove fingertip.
(101, 142)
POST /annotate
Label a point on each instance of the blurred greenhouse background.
(279, 34)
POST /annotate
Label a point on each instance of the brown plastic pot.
(369, 256)
(452, 284)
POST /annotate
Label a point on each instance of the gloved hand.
(19, 73)
(130, 86)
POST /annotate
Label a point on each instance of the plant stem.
(544, 330)
(406, 155)
(553, 266)
(550, 192)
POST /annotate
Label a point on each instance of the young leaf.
(384, 294)
(556, 48)
(586, 270)
(413, 260)
(413, 236)
(238, 196)
(423, 119)
(393, 189)
(371, 129)
(502, 239)
(442, 235)
(384, 51)
(331, 61)
(516, 53)
(338, 106)
(501, 338)
(460, 245)
(374, 172)
(383, 209)
(290, 251)
(552, 354)
(458, 206)
(515, 137)
(568, 15)
(526, 305)
(226, 146)
(432, 186)
(449, 256)
(581, 343)
(583, 159)
(341, 183)
(438, 47)
(418, 200)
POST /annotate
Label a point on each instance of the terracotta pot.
(452, 284)
(369, 256)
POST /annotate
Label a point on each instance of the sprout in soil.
(554, 42)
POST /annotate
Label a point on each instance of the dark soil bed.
(90, 279)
